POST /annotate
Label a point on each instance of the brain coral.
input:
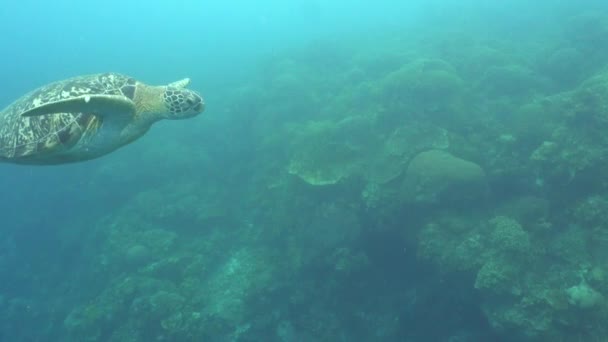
(435, 176)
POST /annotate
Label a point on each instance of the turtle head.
(182, 103)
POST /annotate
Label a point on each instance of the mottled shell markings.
(89, 116)
(23, 136)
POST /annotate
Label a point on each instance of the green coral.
(344, 152)
(583, 296)
(508, 236)
(347, 262)
(577, 142)
(326, 153)
(510, 80)
(230, 286)
(423, 81)
(434, 176)
(496, 275)
(454, 244)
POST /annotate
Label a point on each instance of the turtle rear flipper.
(100, 105)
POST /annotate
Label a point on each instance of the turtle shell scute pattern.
(24, 136)
(100, 84)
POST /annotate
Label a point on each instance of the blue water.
(363, 171)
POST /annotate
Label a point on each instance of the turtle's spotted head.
(182, 103)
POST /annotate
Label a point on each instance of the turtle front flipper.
(99, 105)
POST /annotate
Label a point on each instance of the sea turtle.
(86, 117)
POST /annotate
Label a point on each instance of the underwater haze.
(402, 171)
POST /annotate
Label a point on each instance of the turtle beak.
(197, 102)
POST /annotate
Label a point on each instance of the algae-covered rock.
(481, 57)
(453, 243)
(529, 210)
(510, 80)
(402, 145)
(496, 275)
(497, 253)
(590, 99)
(584, 296)
(565, 65)
(576, 151)
(534, 121)
(423, 79)
(586, 29)
(107, 311)
(234, 282)
(346, 262)
(326, 153)
(416, 137)
(458, 244)
(426, 85)
(128, 248)
(507, 235)
(434, 176)
(137, 255)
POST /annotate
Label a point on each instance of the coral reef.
(428, 184)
